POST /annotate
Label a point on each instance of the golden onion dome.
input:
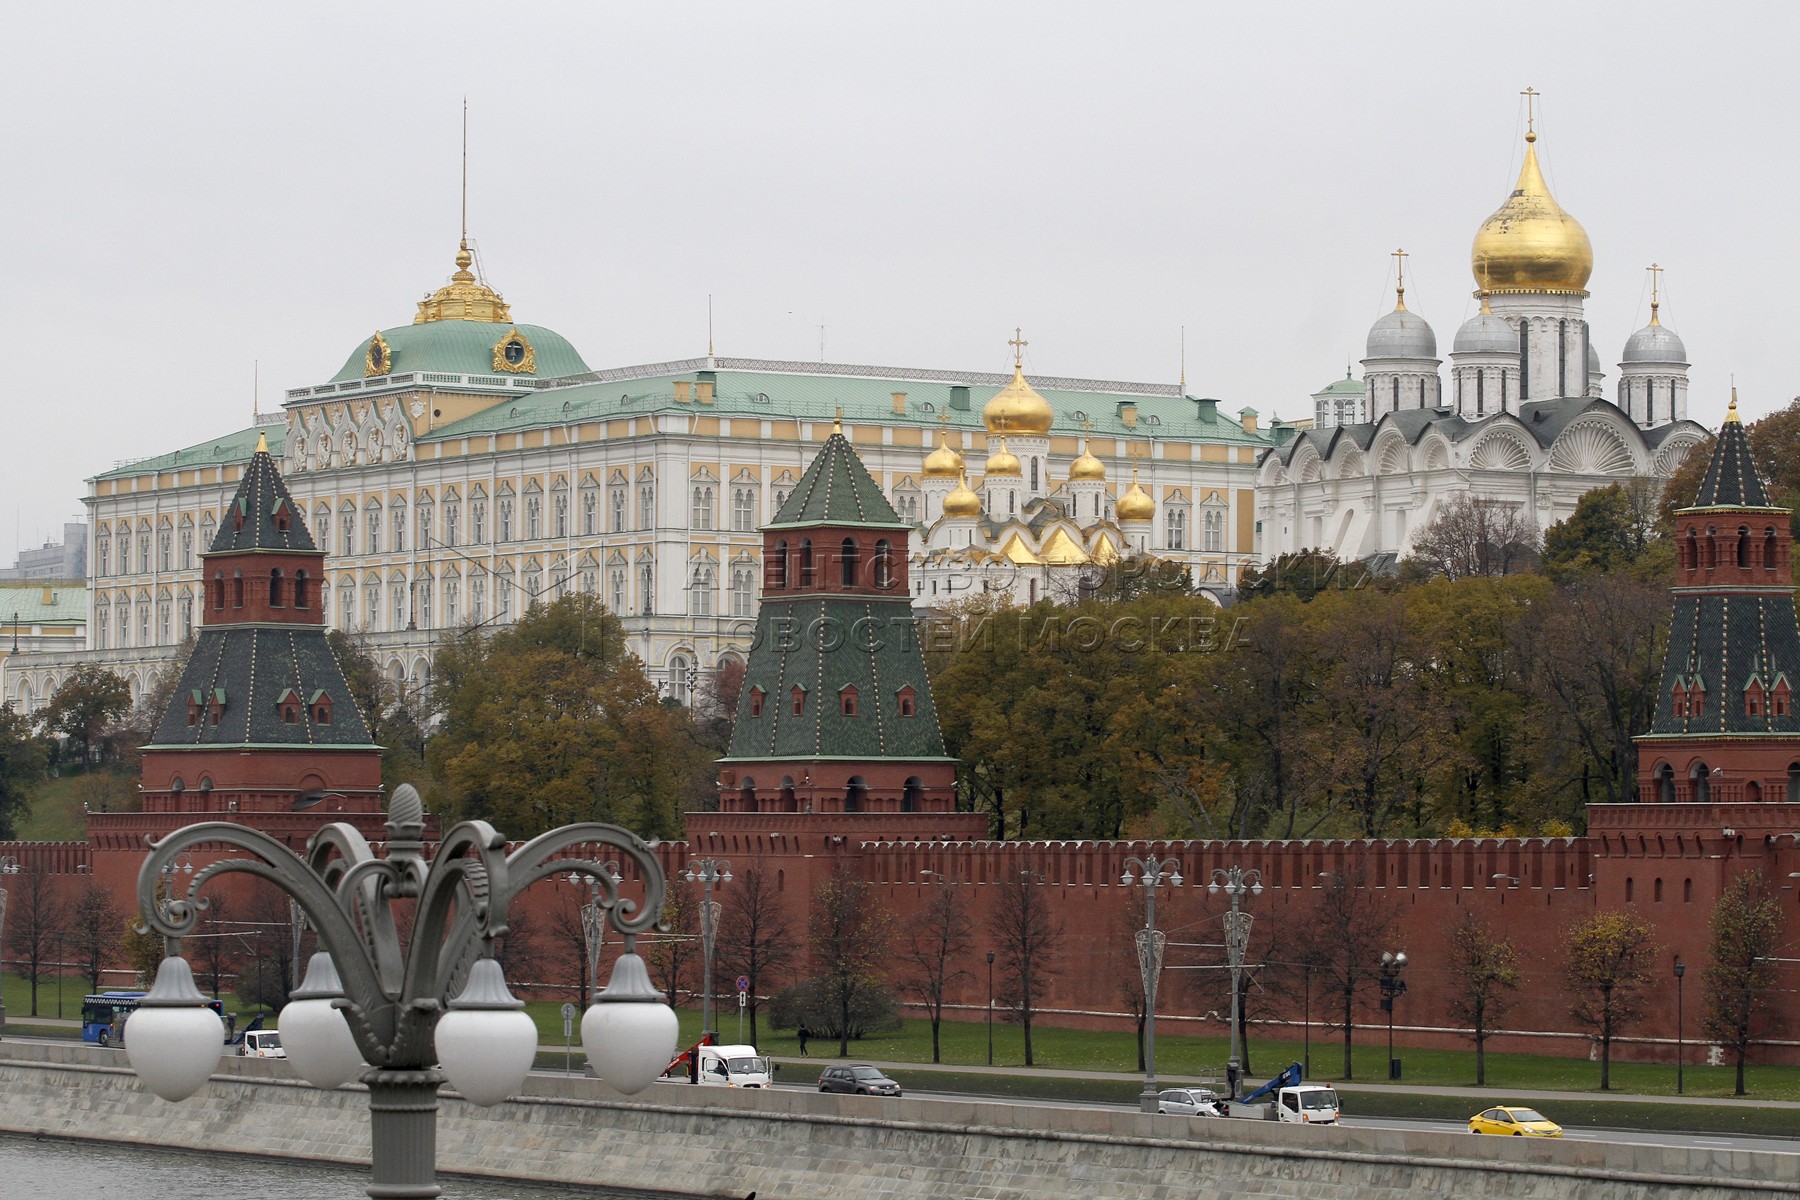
(1002, 461)
(1530, 244)
(1086, 467)
(1136, 504)
(1017, 408)
(464, 298)
(962, 500)
(943, 463)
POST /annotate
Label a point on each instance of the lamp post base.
(1147, 1098)
(403, 1107)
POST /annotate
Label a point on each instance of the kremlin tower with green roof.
(836, 714)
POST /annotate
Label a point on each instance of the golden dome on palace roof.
(943, 463)
(464, 298)
(1017, 408)
(1530, 244)
(1002, 462)
(1135, 504)
(962, 500)
(1086, 467)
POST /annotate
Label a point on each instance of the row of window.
(1696, 553)
(778, 569)
(849, 698)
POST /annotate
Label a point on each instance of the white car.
(261, 1043)
(1191, 1102)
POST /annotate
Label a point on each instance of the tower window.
(799, 701)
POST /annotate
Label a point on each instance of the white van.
(733, 1066)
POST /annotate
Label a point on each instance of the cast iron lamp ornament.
(396, 1011)
(1151, 873)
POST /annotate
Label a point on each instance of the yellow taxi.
(1519, 1122)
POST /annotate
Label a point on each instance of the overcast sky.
(190, 190)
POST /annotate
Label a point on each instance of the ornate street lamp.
(990, 957)
(1152, 873)
(8, 866)
(1235, 882)
(708, 871)
(593, 924)
(1680, 1049)
(1392, 987)
(402, 1006)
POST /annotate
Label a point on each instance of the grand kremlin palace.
(461, 466)
(458, 467)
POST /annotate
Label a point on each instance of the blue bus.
(103, 1015)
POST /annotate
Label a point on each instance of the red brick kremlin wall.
(1665, 862)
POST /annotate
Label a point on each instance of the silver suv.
(1191, 1102)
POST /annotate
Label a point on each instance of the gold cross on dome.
(1531, 94)
(1018, 344)
(1655, 274)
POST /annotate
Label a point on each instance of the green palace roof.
(1342, 387)
(43, 603)
(224, 451)
(463, 348)
(864, 394)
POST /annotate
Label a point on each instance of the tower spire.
(465, 175)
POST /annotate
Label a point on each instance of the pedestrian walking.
(804, 1034)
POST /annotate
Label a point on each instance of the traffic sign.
(743, 982)
(743, 999)
(568, 1016)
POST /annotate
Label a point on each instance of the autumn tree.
(551, 721)
(1302, 574)
(23, 758)
(1027, 941)
(1739, 981)
(756, 938)
(1351, 925)
(84, 704)
(36, 916)
(849, 934)
(1607, 964)
(934, 954)
(1472, 537)
(1609, 529)
(213, 949)
(1596, 647)
(94, 929)
(1482, 968)
(669, 953)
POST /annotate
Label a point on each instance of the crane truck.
(1286, 1098)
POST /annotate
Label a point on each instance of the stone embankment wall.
(798, 1145)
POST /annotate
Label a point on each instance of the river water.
(51, 1168)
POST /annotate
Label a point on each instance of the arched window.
(913, 795)
(1690, 555)
(1769, 549)
(747, 794)
(1743, 546)
(788, 802)
(1702, 780)
(884, 565)
(778, 566)
(301, 598)
(856, 794)
(806, 563)
(1630, 889)
(276, 597)
(847, 563)
(847, 700)
(1687, 891)
(1665, 784)
(1656, 891)
(1753, 792)
(219, 590)
(799, 698)
(237, 589)
(1712, 548)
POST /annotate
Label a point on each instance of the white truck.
(261, 1043)
(1285, 1098)
(722, 1066)
(733, 1066)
